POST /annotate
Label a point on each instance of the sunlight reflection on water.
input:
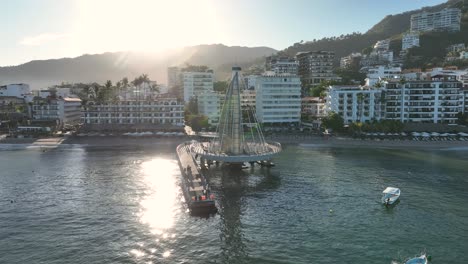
(159, 207)
(159, 204)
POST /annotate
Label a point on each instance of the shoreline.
(346, 142)
(303, 141)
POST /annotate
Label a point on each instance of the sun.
(146, 25)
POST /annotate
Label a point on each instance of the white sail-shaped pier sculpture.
(239, 137)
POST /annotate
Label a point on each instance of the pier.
(239, 137)
(197, 193)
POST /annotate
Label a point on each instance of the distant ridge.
(116, 65)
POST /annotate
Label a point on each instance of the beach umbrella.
(435, 134)
(463, 134)
(425, 134)
(452, 135)
(444, 134)
(415, 134)
(403, 134)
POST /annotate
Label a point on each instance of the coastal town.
(157, 131)
(289, 94)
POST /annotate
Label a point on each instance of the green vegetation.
(321, 89)
(385, 126)
(350, 76)
(220, 86)
(462, 118)
(392, 27)
(108, 92)
(191, 108)
(333, 121)
(433, 49)
(193, 118)
(197, 122)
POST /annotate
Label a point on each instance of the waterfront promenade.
(309, 140)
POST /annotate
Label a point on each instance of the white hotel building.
(161, 113)
(376, 74)
(195, 83)
(432, 101)
(64, 111)
(355, 103)
(278, 98)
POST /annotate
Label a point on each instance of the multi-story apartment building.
(160, 113)
(385, 56)
(352, 60)
(464, 55)
(315, 67)
(424, 101)
(456, 47)
(20, 90)
(250, 81)
(447, 19)
(195, 83)
(378, 57)
(209, 105)
(383, 72)
(355, 103)
(248, 98)
(464, 80)
(382, 45)
(409, 40)
(278, 99)
(313, 106)
(174, 77)
(378, 73)
(281, 65)
(64, 111)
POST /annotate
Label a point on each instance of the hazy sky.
(44, 29)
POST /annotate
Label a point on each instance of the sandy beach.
(306, 141)
(347, 142)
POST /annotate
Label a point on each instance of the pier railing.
(253, 151)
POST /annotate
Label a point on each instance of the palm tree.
(378, 84)
(137, 82)
(108, 84)
(360, 97)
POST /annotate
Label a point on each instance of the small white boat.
(418, 260)
(390, 195)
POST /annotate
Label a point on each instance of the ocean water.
(82, 204)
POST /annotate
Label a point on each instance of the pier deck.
(195, 187)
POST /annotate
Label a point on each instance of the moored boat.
(418, 260)
(390, 195)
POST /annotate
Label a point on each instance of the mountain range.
(114, 66)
